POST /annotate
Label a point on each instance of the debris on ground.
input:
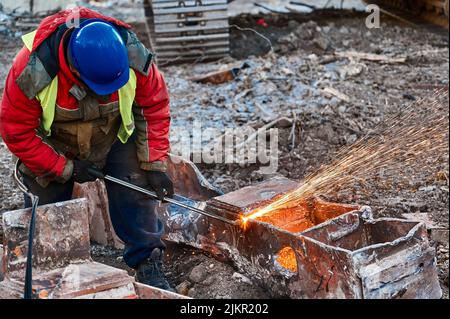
(225, 74)
(327, 78)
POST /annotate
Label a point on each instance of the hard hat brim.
(108, 88)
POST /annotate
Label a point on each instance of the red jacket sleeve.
(19, 121)
(152, 120)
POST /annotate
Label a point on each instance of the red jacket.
(20, 115)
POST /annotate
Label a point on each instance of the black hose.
(28, 288)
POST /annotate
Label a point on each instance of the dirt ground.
(287, 81)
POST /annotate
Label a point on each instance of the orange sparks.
(403, 144)
(244, 221)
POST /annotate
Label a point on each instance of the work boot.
(150, 272)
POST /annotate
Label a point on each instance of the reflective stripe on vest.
(47, 98)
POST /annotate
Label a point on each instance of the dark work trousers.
(133, 214)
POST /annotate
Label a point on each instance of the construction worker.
(90, 95)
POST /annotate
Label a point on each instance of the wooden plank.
(177, 25)
(173, 19)
(190, 9)
(192, 59)
(195, 17)
(193, 38)
(206, 15)
(214, 26)
(172, 54)
(187, 3)
(192, 34)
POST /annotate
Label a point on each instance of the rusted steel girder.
(317, 250)
(253, 250)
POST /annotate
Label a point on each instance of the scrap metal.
(316, 250)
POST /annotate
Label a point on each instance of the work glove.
(160, 183)
(80, 171)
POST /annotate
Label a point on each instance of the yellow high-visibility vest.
(47, 98)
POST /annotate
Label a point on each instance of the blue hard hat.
(98, 53)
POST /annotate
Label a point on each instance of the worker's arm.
(19, 121)
(152, 120)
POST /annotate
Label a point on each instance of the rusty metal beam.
(318, 250)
